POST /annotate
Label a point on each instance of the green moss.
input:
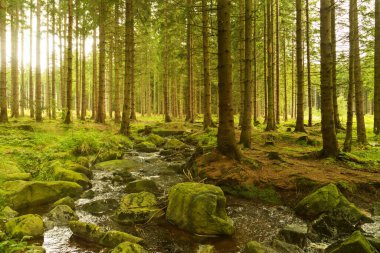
(199, 208)
(68, 201)
(267, 195)
(354, 244)
(71, 176)
(28, 225)
(146, 146)
(141, 185)
(118, 165)
(8, 213)
(256, 247)
(113, 238)
(62, 214)
(127, 247)
(174, 144)
(156, 139)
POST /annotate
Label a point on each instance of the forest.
(194, 126)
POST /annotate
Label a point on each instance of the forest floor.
(283, 161)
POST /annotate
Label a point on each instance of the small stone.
(90, 194)
(68, 201)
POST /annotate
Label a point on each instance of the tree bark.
(330, 143)
(14, 62)
(94, 76)
(309, 95)
(38, 65)
(300, 70)
(3, 70)
(226, 132)
(69, 83)
(277, 63)
(117, 59)
(271, 121)
(285, 81)
(100, 116)
(31, 86)
(190, 81)
(53, 72)
(376, 128)
(255, 109)
(84, 97)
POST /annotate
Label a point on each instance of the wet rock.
(99, 207)
(118, 165)
(68, 201)
(156, 140)
(295, 234)
(80, 169)
(206, 249)
(256, 247)
(283, 247)
(167, 152)
(62, 214)
(127, 247)
(146, 147)
(138, 207)
(93, 233)
(323, 226)
(174, 144)
(89, 194)
(177, 167)
(329, 199)
(376, 209)
(199, 208)
(71, 176)
(356, 243)
(375, 242)
(143, 185)
(8, 213)
(30, 225)
(23, 194)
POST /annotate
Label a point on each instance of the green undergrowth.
(266, 195)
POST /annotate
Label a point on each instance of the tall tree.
(246, 132)
(69, 61)
(100, 116)
(271, 121)
(226, 131)
(38, 65)
(84, 97)
(3, 70)
(330, 143)
(129, 66)
(255, 109)
(377, 69)
(53, 70)
(14, 61)
(309, 95)
(31, 86)
(94, 75)
(300, 69)
(190, 77)
(277, 62)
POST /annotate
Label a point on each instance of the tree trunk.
(100, 116)
(309, 95)
(84, 97)
(53, 74)
(117, 63)
(277, 63)
(190, 82)
(350, 100)
(241, 60)
(285, 81)
(300, 70)
(330, 143)
(31, 86)
(69, 62)
(255, 109)
(14, 62)
(94, 76)
(22, 89)
(246, 132)
(129, 65)
(359, 106)
(77, 80)
(47, 87)
(271, 121)
(38, 65)
(3, 71)
(376, 128)
(226, 131)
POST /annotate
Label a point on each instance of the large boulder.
(62, 214)
(141, 185)
(72, 176)
(256, 247)
(79, 168)
(118, 165)
(356, 243)
(24, 194)
(199, 208)
(93, 233)
(329, 199)
(138, 207)
(101, 206)
(128, 247)
(30, 225)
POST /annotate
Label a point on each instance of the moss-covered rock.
(8, 213)
(356, 243)
(284, 247)
(141, 185)
(108, 155)
(174, 144)
(206, 249)
(72, 176)
(156, 140)
(118, 165)
(146, 146)
(68, 201)
(256, 247)
(93, 233)
(128, 247)
(101, 206)
(295, 234)
(62, 214)
(329, 199)
(17, 176)
(30, 225)
(138, 207)
(23, 194)
(199, 208)
(79, 168)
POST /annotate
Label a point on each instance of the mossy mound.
(118, 165)
(256, 247)
(71, 176)
(146, 146)
(62, 214)
(127, 247)
(24, 194)
(329, 199)
(206, 249)
(199, 208)
(79, 168)
(174, 144)
(7, 213)
(17, 176)
(68, 201)
(141, 185)
(156, 140)
(93, 233)
(30, 225)
(356, 243)
(100, 206)
(138, 207)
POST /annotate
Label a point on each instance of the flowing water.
(253, 221)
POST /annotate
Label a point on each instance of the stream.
(253, 221)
